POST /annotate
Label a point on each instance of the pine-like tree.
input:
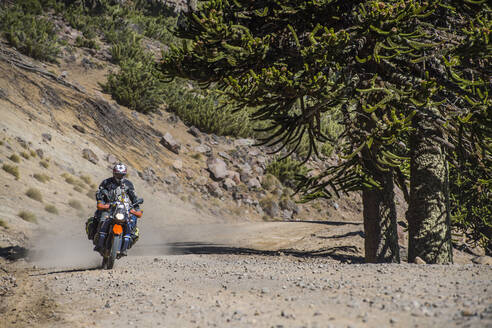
(400, 72)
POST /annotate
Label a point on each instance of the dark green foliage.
(136, 85)
(206, 112)
(83, 42)
(470, 183)
(287, 170)
(32, 35)
(128, 47)
(381, 64)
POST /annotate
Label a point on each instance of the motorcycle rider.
(117, 185)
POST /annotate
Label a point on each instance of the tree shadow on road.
(13, 253)
(338, 253)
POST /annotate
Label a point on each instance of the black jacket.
(110, 184)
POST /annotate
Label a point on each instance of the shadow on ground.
(13, 253)
(338, 253)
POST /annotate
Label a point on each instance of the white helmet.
(119, 172)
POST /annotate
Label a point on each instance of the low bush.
(83, 42)
(12, 169)
(86, 179)
(14, 158)
(206, 112)
(75, 204)
(270, 182)
(51, 209)
(27, 216)
(78, 189)
(286, 170)
(41, 177)
(136, 85)
(33, 153)
(35, 194)
(32, 35)
(44, 163)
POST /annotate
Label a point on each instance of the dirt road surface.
(259, 274)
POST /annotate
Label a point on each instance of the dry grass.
(15, 158)
(34, 194)
(86, 179)
(44, 163)
(78, 189)
(12, 169)
(25, 155)
(27, 216)
(41, 177)
(75, 204)
(51, 209)
(3, 224)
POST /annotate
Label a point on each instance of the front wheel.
(115, 247)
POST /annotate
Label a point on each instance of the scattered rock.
(194, 132)
(148, 174)
(418, 260)
(202, 149)
(168, 141)
(173, 119)
(486, 260)
(111, 159)
(79, 128)
(214, 189)
(90, 155)
(40, 153)
(229, 184)
(201, 181)
(178, 164)
(217, 167)
(46, 137)
(253, 183)
(234, 176)
(3, 94)
(243, 142)
(225, 155)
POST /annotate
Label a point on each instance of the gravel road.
(233, 284)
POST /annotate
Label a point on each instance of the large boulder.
(168, 141)
(217, 167)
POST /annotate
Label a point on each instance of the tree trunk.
(381, 237)
(428, 216)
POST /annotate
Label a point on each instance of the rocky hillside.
(61, 135)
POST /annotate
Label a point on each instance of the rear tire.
(115, 247)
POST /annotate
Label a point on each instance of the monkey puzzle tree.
(385, 65)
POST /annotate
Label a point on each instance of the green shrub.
(136, 86)
(14, 158)
(32, 35)
(41, 177)
(34, 194)
(75, 204)
(44, 163)
(12, 169)
(286, 170)
(206, 112)
(128, 48)
(32, 153)
(83, 42)
(51, 209)
(27, 216)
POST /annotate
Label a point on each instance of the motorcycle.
(119, 213)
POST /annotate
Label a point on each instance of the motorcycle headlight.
(119, 216)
